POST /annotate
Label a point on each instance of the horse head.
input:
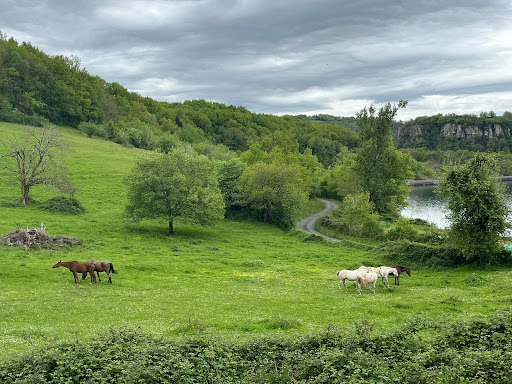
(59, 264)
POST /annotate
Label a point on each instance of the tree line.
(59, 90)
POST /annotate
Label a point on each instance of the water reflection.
(425, 204)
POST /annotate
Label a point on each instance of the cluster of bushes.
(477, 351)
(422, 255)
(63, 204)
(18, 117)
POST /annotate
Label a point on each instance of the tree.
(382, 169)
(275, 189)
(477, 205)
(32, 160)
(178, 184)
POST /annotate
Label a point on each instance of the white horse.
(364, 278)
(346, 274)
(385, 272)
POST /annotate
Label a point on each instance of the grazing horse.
(102, 266)
(78, 267)
(347, 275)
(364, 278)
(399, 270)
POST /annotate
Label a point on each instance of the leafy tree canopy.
(478, 209)
(178, 184)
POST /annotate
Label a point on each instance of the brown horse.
(400, 269)
(78, 267)
(102, 266)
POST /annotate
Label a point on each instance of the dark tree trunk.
(171, 229)
(24, 194)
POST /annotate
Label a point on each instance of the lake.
(425, 204)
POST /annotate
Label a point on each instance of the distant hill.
(349, 122)
(36, 87)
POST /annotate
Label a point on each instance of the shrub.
(62, 204)
(88, 128)
(17, 117)
(420, 255)
(476, 351)
(413, 230)
(355, 217)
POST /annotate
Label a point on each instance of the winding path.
(308, 224)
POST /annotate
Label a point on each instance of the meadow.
(237, 279)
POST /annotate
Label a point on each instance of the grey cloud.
(288, 56)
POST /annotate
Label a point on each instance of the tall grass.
(237, 279)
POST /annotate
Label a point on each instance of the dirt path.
(308, 224)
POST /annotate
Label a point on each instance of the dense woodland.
(36, 87)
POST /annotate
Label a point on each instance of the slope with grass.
(237, 279)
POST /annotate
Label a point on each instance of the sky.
(286, 56)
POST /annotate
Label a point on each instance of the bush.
(88, 128)
(420, 255)
(476, 351)
(17, 117)
(61, 204)
(413, 230)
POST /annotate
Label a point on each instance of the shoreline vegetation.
(422, 183)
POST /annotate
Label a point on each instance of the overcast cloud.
(286, 56)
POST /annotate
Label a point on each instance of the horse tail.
(112, 268)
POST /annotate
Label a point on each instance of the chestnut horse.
(400, 269)
(78, 267)
(102, 266)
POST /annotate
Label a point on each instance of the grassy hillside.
(237, 279)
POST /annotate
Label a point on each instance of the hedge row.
(477, 351)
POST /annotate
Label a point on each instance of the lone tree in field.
(478, 209)
(178, 184)
(382, 169)
(31, 160)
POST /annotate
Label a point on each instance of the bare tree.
(31, 160)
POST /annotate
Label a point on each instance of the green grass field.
(236, 279)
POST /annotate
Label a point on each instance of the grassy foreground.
(235, 279)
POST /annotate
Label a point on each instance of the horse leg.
(84, 275)
(98, 276)
(109, 277)
(397, 280)
(358, 286)
(344, 284)
(76, 277)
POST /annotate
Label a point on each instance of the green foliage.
(477, 351)
(342, 179)
(413, 230)
(421, 255)
(355, 217)
(62, 204)
(382, 169)
(229, 175)
(485, 133)
(478, 209)
(35, 86)
(88, 128)
(175, 185)
(276, 190)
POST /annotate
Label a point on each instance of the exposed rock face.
(416, 132)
